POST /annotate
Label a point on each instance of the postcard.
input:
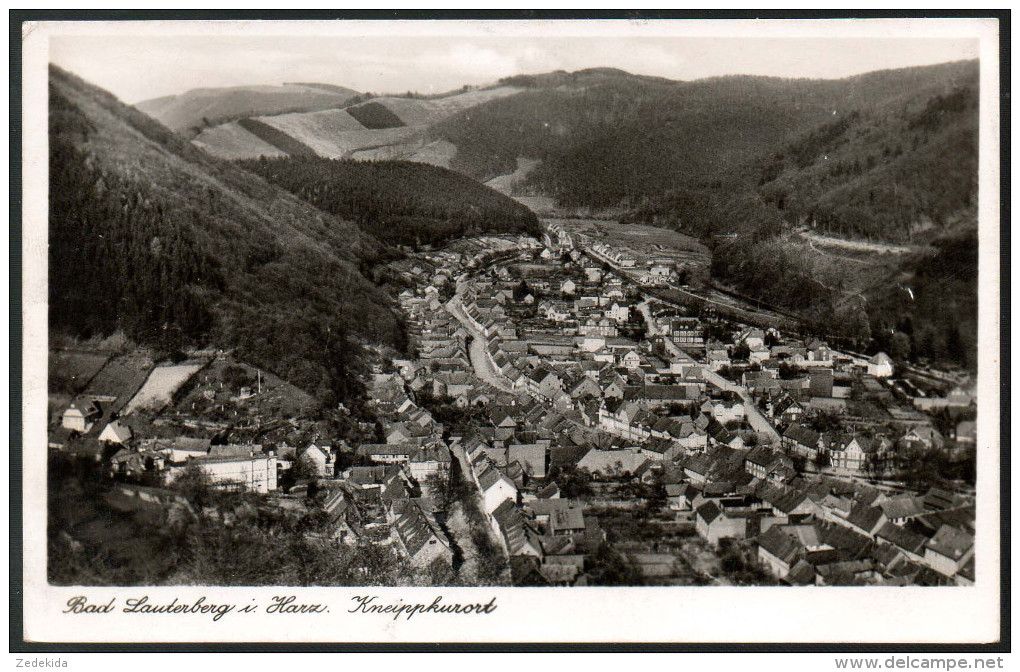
(672, 331)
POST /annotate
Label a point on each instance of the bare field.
(159, 387)
(232, 142)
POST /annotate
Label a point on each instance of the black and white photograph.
(675, 310)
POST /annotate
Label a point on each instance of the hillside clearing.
(161, 384)
(232, 142)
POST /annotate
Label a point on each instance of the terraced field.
(336, 133)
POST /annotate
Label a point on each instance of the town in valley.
(568, 329)
(571, 416)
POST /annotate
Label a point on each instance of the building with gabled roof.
(421, 535)
(81, 414)
(514, 531)
(948, 550)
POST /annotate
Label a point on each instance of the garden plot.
(160, 386)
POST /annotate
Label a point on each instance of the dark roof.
(416, 527)
(709, 512)
(901, 537)
(548, 492)
(951, 542)
(801, 574)
(780, 544)
(802, 435)
(865, 517)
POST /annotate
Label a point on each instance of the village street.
(754, 417)
(476, 349)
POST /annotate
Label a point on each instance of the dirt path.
(856, 245)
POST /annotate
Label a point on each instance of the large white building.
(255, 472)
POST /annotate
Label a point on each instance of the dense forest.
(882, 156)
(375, 115)
(399, 202)
(922, 306)
(276, 137)
(152, 237)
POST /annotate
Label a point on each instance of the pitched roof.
(416, 527)
(802, 435)
(709, 512)
(781, 545)
(531, 455)
(901, 537)
(903, 506)
(951, 542)
(865, 517)
(569, 518)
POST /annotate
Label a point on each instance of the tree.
(899, 346)
(608, 567)
(194, 483)
(440, 489)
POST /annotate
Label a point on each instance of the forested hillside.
(151, 236)
(745, 162)
(397, 201)
(881, 155)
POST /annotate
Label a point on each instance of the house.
(752, 337)
(544, 382)
(631, 360)
(566, 521)
(761, 462)
(531, 456)
(787, 409)
(802, 441)
(517, 536)
(244, 468)
(949, 550)
(728, 410)
(660, 271)
(697, 468)
(880, 366)
(612, 462)
(568, 286)
(116, 432)
(686, 333)
(421, 536)
(387, 453)
(713, 523)
(680, 496)
(902, 508)
(429, 460)
(850, 452)
(81, 415)
(866, 520)
(495, 488)
(778, 551)
(319, 460)
(909, 543)
(966, 432)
